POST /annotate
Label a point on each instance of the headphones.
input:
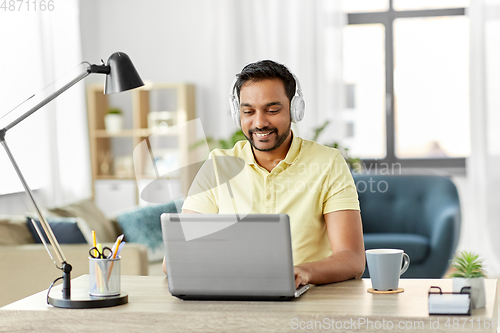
(297, 104)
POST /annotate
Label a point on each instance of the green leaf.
(468, 265)
(318, 130)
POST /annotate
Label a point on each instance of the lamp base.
(80, 299)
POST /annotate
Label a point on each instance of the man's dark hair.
(263, 70)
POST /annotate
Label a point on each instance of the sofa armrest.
(445, 225)
(443, 241)
(27, 269)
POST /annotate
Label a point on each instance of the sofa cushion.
(95, 219)
(65, 230)
(143, 225)
(416, 246)
(14, 231)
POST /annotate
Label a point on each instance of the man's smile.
(263, 135)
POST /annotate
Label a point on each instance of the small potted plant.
(113, 121)
(469, 273)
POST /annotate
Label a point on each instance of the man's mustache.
(265, 129)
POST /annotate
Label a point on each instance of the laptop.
(224, 257)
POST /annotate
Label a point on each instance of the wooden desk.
(151, 308)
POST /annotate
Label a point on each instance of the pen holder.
(104, 277)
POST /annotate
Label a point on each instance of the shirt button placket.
(270, 196)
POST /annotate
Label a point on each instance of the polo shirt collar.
(247, 154)
(293, 152)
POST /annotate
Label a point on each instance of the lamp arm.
(120, 62)
(43, 222)
(48, 231)
(65, 267)
(48, 99)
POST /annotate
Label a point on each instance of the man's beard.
(279, 139)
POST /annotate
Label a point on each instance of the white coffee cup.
(384, 266)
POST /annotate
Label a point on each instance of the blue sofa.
(419, 214)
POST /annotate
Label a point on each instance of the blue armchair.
(419, 214)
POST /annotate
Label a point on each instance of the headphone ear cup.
(235, 110)
(234, 104)
(297, 108)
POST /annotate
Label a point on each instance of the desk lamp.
(121, 75)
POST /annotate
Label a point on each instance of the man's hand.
(164, 265)
(347, 261)
(301, 276)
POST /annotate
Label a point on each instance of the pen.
(115, 255)
(99, 250)
(94, 241)
(100, 272)
(97, 268)
(120, 249)
(119, 239)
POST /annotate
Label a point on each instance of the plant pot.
(113, 123)
(477, 294)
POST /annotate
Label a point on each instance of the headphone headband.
(297, 104)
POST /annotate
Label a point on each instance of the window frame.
(452, 165)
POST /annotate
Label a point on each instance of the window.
(21, 77)
(406, 71)
(39, 58)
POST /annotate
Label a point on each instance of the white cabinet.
(113, 196)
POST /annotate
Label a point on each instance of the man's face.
(265, 113)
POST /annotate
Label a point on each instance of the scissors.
(101, 252)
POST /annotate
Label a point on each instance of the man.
(309, 182)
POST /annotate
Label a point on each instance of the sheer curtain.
(22, 76)
(51, 146)
(306, 36)
(481, 217)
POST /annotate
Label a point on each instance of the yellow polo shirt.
(311, 181)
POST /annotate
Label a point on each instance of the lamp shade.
(122, 74)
